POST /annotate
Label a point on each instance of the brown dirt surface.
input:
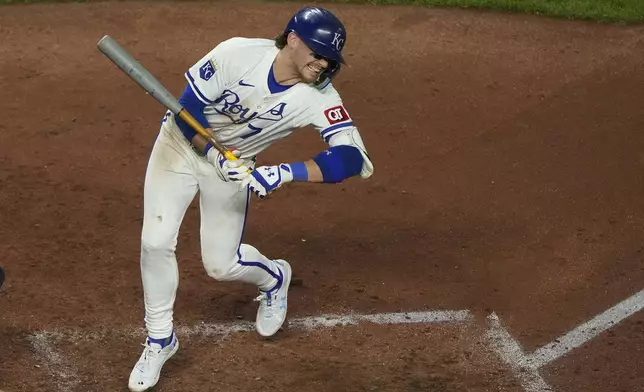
(399, 358)
(508, 153)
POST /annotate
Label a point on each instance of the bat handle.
(194, 124)
(229, 155)
(187, 117)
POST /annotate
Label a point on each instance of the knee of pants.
(158, 241)
(221, 269)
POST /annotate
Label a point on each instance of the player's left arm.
(346, 157)
(332, 165)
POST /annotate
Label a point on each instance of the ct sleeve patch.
(336, 114)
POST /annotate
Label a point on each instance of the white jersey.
(246, 111)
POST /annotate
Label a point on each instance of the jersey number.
(276, 113)
(254, 131)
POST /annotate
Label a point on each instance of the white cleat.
(146, 372)
(273, 304)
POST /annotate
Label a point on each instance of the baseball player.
(248, 93)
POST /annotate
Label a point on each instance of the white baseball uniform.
(248, 111)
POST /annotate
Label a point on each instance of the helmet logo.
(337, 41)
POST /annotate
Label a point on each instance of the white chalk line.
(526, 366)
(588, 330)
(512, 354)
(445, 316)
(303, 323)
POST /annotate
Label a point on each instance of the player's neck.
(284, 70)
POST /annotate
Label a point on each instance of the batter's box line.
(66, 377)
(334, 320)
(302, 323)
(526, 365)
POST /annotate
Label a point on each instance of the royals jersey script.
(246, 108)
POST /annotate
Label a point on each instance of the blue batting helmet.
(323, 33)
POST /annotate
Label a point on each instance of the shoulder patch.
(207, 70)
(336, 114)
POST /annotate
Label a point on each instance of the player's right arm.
(195, 107)
(207, 79)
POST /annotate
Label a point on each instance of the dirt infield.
(508, 157)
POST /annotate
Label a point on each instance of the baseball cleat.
(146, 372)
(273, 304)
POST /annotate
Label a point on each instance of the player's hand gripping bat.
(153, 87)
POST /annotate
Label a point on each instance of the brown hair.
(280, 41)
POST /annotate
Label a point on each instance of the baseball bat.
(137, 72)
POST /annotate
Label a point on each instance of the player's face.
(309, 64)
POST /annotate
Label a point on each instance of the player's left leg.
(169, 188)
(226, 258)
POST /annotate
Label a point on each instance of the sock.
(161, 342)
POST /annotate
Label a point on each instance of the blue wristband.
(299, 171)
(207, 148)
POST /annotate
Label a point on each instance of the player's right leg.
(169, 188)
(226, 258)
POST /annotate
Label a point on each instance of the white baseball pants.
(174, 175)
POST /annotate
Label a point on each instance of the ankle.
(162, 342)
(269, 286)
